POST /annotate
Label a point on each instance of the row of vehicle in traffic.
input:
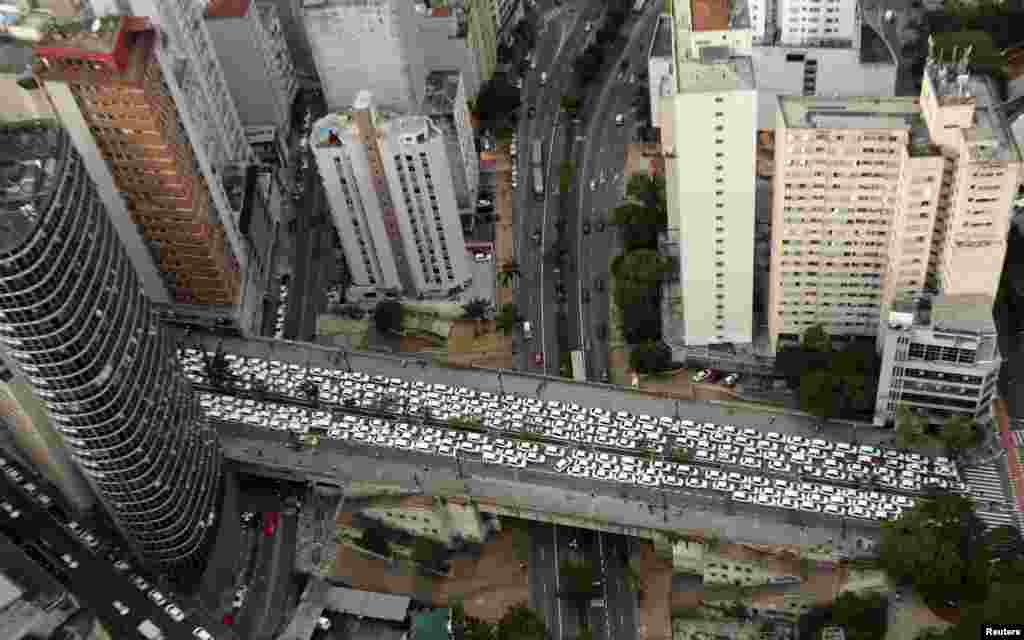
(708, 443)
(710, 376)
(92, 542)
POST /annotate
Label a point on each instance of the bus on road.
(536, 160)
(579, 366)
(538, 183)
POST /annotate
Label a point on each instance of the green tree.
(428, 553)
(958, 434)
(507, 318)
(864, 617)
(938, 547)
(571, 105)
(650, 356)
(476, 309)
(375, 539)
(819, 394)
(815, 338)
(387, 316)
(520, 622)
(565, 175)
(638, 274)
(508, 273)
(476, 629)
(497, 102)
(910, 427)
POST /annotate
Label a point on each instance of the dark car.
(586, 296)
(600, 226)
(586, 227)
(599, 284)
(602, 331)
(531, 112)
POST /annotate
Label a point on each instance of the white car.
(120, 607)
(174, 612)
(157, 598)
(620, 120)
(701, 375)
(68, 560)
(201, 633)
(593, 185)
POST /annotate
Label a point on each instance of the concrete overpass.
(536, 494)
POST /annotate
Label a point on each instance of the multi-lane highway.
(560, 39)
(600, 155)
(80, 561)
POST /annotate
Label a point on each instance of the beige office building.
(878, 199)
(708, 116)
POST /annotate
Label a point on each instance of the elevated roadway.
(533, 493)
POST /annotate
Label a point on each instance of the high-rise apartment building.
(389, 185)
(709, 126)
(879, 199)
(814, 22)
(387, 47)
(458, 35)
(251, 47)
(76, 322)
(107, 87)
(444, 102)
(940, 358)
(366, 45)
(804, 22)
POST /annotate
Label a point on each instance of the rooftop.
(966, 313)
(812, 112)
(29, 154)
(93, 36)
(441, 92)
(715, 74)
(719, 15)
(227, 9)
(661, 46)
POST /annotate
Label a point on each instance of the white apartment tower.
(389, 185)
(444, 102)
(709, 123)
(366, 44)
(883, 199)
(816, 22)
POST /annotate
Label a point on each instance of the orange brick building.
(117, 84)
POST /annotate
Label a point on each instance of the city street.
(600, 158)
(560, 38)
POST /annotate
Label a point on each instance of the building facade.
(814, 22)
(709, 127)
(23, 416)
(878, 199)
(939, 359)
(389, 184)
(75, 321)
(251, 48)
(444, 102)
(121, 107)
(366, 45)
(459, 35)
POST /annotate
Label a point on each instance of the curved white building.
(75, 320)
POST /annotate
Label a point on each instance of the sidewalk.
(504, 226)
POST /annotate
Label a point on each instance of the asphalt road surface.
(617, 508)
(44, 537)
(600, 158)
(560, 38)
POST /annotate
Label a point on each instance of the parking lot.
(764, 468)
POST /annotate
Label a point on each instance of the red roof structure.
(709, 15)
(227, 8)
